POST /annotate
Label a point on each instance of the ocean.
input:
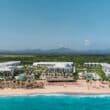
(55, 102)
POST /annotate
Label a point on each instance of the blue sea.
(55, 102)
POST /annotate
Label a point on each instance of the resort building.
(68, 67)
(106, 69)
(57, 69)
(10, 63)
(7, 69)
(9, 66)
(92, 64)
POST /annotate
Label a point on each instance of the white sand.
(80, 87)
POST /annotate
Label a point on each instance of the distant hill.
(61, 50)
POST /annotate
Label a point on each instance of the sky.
(48, 24)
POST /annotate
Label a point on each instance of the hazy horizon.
(51, 24)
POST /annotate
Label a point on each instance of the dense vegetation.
(77, 59)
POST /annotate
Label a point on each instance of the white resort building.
(10, 65)
(7, 69)
(59, 70)
(68, 67)
(92, 64)
(106, 69)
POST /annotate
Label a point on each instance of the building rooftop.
(9, 63)
(54, 64)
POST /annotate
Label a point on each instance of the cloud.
(86, 42)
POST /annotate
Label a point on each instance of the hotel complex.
(8, 69)
(57, 70)
(9, 66)
(54, 70)
(106, 69)
(67, 67)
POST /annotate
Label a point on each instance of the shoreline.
(76, 88)
(61, 94)
(34, 92)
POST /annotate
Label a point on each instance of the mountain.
(61, 50)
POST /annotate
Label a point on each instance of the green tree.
(40, 70)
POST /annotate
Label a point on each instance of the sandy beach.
(75, 88)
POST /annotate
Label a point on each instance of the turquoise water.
(55, 103)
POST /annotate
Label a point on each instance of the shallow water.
(55, 102)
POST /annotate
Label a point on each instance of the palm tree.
(109, 83)
(64, 72)
(28, 69)
(39, 70)
(87, 81)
